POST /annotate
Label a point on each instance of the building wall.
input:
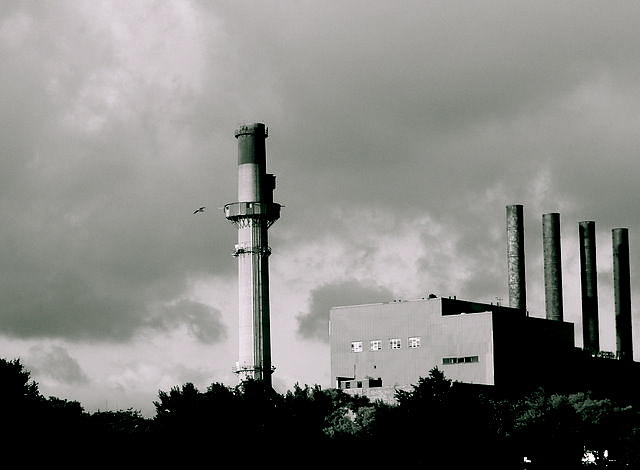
(450, 336)
(514, 351)
(531, 352)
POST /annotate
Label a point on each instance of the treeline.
(436, 424)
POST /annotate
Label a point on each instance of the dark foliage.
(438, 423)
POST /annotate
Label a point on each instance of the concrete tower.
(515, 257)
(552, 265)
(253, 214)
(589, 286)
(622, 293)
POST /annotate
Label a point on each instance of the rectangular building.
(391, 345)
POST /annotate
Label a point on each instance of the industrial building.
(393, 344)
(378, 348)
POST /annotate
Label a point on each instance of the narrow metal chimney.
(622, 292)
(552, 265)
(589, 286)
(515, 257)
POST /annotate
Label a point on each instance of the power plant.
(378, 348)
(253, 214)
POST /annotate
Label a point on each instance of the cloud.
(314, 324)
(54, 362)
(202, 321)
(117, 121)
(100, 169)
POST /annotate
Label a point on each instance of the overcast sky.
(399, 131)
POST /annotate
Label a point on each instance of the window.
(356, 346)
(347, 385)
(375, 382)
(414, 342)
(394, 343)
(359, 384)
(459, 360)
(376, 345)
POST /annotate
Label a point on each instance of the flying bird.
(201, 209)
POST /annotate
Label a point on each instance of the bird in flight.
(201, 209)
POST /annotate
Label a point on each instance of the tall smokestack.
(622, 292)
(552, 265)
(515, 257)
(589, 286)
(253, 214)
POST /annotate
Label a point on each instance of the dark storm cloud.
(117, 122)
(56, 363)
(398, 101)
(100, 175)
(203, 322)
(425, 108)
(315, 322)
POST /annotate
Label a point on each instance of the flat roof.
(398, 301)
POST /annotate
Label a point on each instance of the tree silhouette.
(438, 423)
(17, 386)
(20, 400)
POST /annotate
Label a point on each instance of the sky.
(398, 133)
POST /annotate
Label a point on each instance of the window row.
(368, 383)
(459, 360)
(376, 344)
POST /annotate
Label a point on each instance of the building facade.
(391, 345)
